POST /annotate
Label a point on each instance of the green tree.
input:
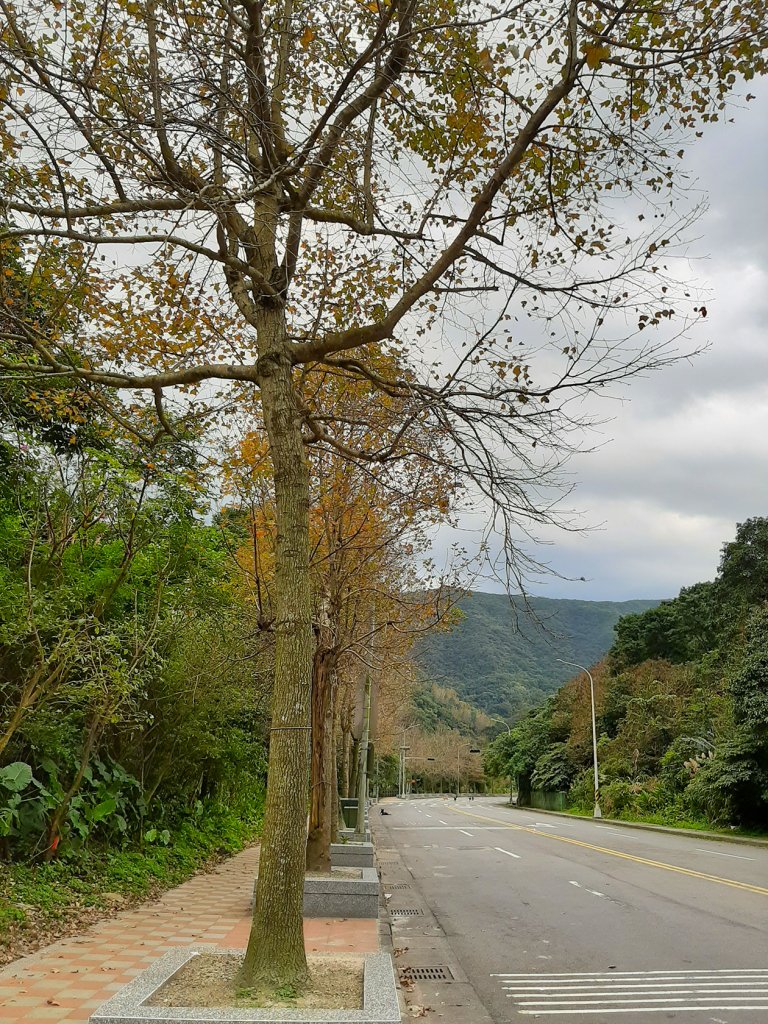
(296, 189)
(743, 567)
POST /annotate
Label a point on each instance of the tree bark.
(354, 766)
(275, 955)
(344, 763)
(334, 762)
(320, 808)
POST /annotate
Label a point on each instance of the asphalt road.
(579, 921)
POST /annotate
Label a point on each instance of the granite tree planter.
(348, 835)
(380, 1005)
(337, 896)
(352, 855)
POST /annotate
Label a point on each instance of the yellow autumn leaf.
(595, 55)
(307, 36)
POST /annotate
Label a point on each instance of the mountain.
(502, 658)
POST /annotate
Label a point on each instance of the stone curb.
(380, 1002)
(669, 830)
(342, 897)
(352, 855)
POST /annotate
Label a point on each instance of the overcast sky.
(686, 455)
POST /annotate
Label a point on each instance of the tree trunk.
(344, 763)
(275, 955)
(319, 838)
(354, 766)
(60, 813)
(334, 784)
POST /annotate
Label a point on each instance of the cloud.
(684, 456)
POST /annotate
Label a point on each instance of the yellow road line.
(732, 882)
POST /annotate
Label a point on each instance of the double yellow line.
(732, 882)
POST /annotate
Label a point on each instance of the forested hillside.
(682, 707)
(503, 661)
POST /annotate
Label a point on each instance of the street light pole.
(459, 748)
(597, 813)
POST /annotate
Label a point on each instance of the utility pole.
(596, 813)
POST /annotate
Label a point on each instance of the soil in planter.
(210, 980)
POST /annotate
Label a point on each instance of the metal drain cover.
(405, 912)
(398, 885)
(427, 973)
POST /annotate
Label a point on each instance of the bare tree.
(240, 190)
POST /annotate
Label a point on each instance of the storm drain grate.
(399, 885)
(427, 973)
(405, 912)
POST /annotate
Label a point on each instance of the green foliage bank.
(682, 708)
(133, 680)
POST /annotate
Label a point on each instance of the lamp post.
(459, 748)
(403, 748)
(597, 813)
(411, 758)
(497, 718)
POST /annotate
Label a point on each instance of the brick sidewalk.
(68, 980)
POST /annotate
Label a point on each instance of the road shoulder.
(421, 950)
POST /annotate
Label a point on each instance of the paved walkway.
(68, 980)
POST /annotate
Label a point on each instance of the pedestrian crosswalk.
(592, 995)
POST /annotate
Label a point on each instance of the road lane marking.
(630, 989)
(442, 822)
(599, 993)
(640, 1009)
(662, 865)
(616, 832)
(714, 972)
(508, 852)
(446, 828)
(714, 853)
(594, 892)
(470, 834)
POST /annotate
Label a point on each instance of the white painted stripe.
(454, 828)
(470, 834)
(714, 853)
(508, 853)
(443, 822)
(604, 974)
(514, 986)
(427, 815)
(599, 1004)
(608, 996)
(640, 1009)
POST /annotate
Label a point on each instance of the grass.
(38, 899)
(669, 821)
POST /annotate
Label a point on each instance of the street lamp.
(472, 750)
(407, 786)
(403, 748)
(597, 813)
(497, 718)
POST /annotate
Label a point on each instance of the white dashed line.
(734, 856)
(508, 852)
(470, 834)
